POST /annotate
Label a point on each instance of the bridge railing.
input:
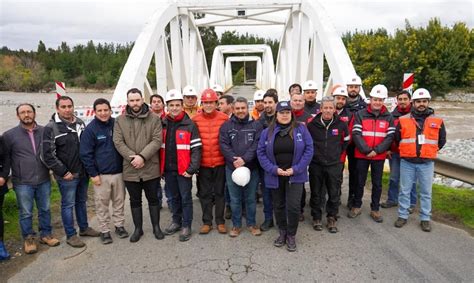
(454, 168)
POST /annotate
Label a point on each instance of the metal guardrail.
(454, 168)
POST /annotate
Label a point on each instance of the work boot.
(425, 226)
(121, 232)
(400, 222)
(355, 211)
(205, 229)
(331, 224)
(222, 229)
(155, 222)
(228, 212)
(75, 242)
(172, 228)
(29, 245)
(267, 225)
(388, 204)
(317, 225)
(254, 230)
(411, 209)
(106, 238)
(234, 232)
(185, 234)
(376, 216)
(4, 255)
(49, 240)
(281, 240)
(291, 243)
(137, 216)
(89, 232)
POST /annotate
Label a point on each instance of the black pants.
(135, 191)
(2, 198)
(287, 204)
(211, 193)
(353, 175)
(376, 172)
(303, 200)
(322, 179)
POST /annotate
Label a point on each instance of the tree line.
(442, 58)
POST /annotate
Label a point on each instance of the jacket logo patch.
(181, 136)
(299, 137)
(250, 136)
(382, 124)
(101, 137)
(344, 119)
(434, 125)
(335, 132)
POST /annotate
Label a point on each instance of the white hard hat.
(217, 88)
(421, 93)
(241, 176)
(173, 94)
(307, 85)
(189, 91)
(340, 90)
(354, 80)
(258, 95)
(379, 91)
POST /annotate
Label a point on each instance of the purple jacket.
(303, 154)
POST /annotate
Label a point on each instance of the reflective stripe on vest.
(409, 138)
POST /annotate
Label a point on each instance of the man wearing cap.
(373, 133)
(238, 139)
(211, 178)
(310, 91)
(421, 135)
(354, 103)
(190, 101)
(180, 159)
(258, 104)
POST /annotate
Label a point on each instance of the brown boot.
(376, 216)
(29, 246)
(355, 211)
(205, 229)
(222, 229)
(254, 230)
(49, 240)
(234, 232)
(331, 225)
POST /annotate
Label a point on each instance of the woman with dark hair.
(285, 150)
(3, 190)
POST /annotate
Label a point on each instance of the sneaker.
(376, 216)
(234, 232)
(106, 238)
(400, 222)
(267, 225)
(205, 229)
(49, 240)
(185, 234)
(425, 226)
(331, 225)
(317, 225)
(172, 228)
(388, 204)
(75, 242)
(281, 240)
(254, 230)
(301, 218)
(121, 232)
(228, 212)
(89, 232)
(291, 243)
(355, 211)
(29, 245)
(411, 209)
(222, 229)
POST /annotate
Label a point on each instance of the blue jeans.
(411, 173)
(236, 193)
(181, 198)
(394, 163)
(74, 197)
(26, 195)
(266, 197)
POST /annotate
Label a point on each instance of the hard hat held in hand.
(421, 93)
(379, 91)
(241, 176)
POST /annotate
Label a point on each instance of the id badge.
(421, 139)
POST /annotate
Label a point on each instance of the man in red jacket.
(373, 133)
(211, 176)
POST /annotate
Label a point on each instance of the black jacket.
(329, 142)
(356, 105)
(312, 108)
(266, 120)
(3, 171)
(60, 147)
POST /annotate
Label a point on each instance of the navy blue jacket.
(97, 149)
(303, 154)
(240, 138)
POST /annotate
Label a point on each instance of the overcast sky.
(24, 22)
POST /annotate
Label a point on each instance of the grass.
(11, 215)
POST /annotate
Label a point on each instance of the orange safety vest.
(409, 137)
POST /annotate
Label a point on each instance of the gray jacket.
(25, 164)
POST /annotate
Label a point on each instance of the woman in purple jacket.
(285, 150)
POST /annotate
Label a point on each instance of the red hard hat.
(209, 95)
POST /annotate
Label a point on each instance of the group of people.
(277, 147)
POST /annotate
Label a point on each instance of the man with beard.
(421, 135)
(30, 177)
(354, 103)
(403, 108)
(137, 137)
(310, 91)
